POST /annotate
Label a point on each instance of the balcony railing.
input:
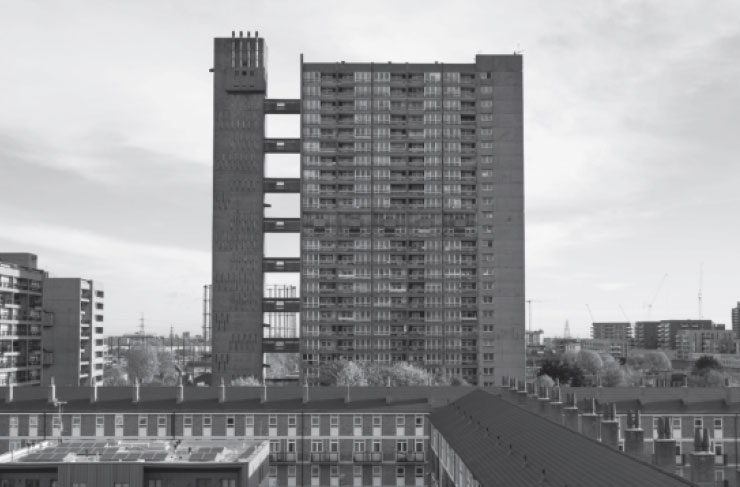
(368, 457)
(283, 457)
(410, 457)
(325, 457)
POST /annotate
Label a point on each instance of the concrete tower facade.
(239, 87)
(412, 221)
(412, 227)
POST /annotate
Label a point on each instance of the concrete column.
(664, 454)
(570, 415)
(610, 433)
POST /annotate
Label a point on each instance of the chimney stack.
(702, 458)
(180, 391)
(590, 422)
(52, 392)
(634, 435)
(9, 397)
(610, 427)
(222, 391)
(136, 391)
(570, 412)
(664, 445)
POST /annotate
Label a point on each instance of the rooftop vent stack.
(256, 34)
(94, 393)
(702, 459)
(52, 392)
(306, 396)
(233, 34)
(222, 391)
(249, 34)
(136, 391)
(9, 392)
(634, 436)
(664, 447)
(241, 34)
(180, 392)
(610, 427)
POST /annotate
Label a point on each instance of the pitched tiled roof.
(238, 399)
(503, 444)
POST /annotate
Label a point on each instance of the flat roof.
(155, 451)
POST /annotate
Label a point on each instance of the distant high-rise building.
(611, 331)
(736, 320)
(667, 330)
(73, 331)
(412, 224)
(646, 334)
(21, 286)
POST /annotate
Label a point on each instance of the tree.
(613, 375)
(651, 362)
(115, 376)
(167, 374)
(562, 371)
(590, 362)
(351, 375)
(142, 363)
(250, 381)
(704, 364)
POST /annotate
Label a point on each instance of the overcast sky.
(631, 140)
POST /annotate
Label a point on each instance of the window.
(230, 421)
(291, 421)
(317, 446)
(315, 470)
(376, 445)
(334, 446)
(33, 421)
(119, 421)
(402, 446)
(14, 421)
(273, 421)
(142, 421)
(334, 421)
(274, 446)
(376, 421)
(228, 482)
(357, 471)
(359, 446)
(400, 472)
(207, 421)
(419, 421)
(187, 421)
(273, 472)
(249, 421)
(419, 472)
(315, 421)
(334, 471)
(718, 424)
(400, 421)
(291, 470)
(698, 423)
(357, 421)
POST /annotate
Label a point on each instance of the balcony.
(324, 457)
(410, 457)
(283, 457)
(367, 457)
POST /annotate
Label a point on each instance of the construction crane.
(590, 314)
(701, 285)
(625, 314)
(655, 296)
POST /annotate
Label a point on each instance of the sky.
(631, 141)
